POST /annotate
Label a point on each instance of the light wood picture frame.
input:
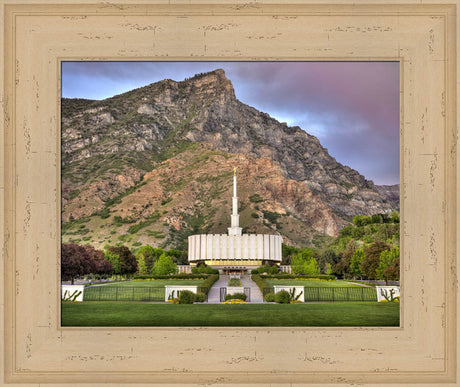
(38, 35)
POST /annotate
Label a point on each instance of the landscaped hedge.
(324, 277)
(206, 285)
(261, 283)
(174, 276)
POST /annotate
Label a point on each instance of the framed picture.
(38, 37)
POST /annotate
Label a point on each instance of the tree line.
(366, 249)
(78, 261)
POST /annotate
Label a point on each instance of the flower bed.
(170, 277)
(234, 301)
(320, 277)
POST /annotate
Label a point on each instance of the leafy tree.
(114, 260)
(141, 267)
(386, 260)
(395, 217)
(305, 263)
(371, 259)
(392, 272)
(102, 267)
(75, 262)
(145, 256)
(342, 268)
(179, 257)
(355, 263)
(164, 266)
(327, 259)
(126, 262)
(287, 252)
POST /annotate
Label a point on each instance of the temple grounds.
(128, 311)
(366, 314)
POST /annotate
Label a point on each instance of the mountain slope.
(111, 146)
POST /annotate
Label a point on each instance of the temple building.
(235, 252)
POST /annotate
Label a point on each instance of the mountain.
(154, 165)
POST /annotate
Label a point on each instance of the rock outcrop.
(112, 145)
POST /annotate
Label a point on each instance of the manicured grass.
(234, 282)
(313, 283)
(156, 283)
(144, 314)
(134, 290)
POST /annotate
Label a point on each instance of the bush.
(261, 283)
(186, 297)
(254, 271)
(235, 296)
(283, 297)
(206, 285)
(273, 270)
(200, 297)
(270, 297)
(264, 269)
(234, 282)
(204, 269)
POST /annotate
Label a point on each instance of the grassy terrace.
(155, 283)
(313, 283)
(324, 291)
(122, 314)
(134, 290)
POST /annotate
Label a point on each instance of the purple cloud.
(352, 107)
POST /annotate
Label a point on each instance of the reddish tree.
(101, 265)
(75, 262)
(392, 272)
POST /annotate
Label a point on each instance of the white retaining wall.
(386, 290)
(68, 290)
(298, 290)
(178, 288)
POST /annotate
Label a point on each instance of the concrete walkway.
(222, 282)
(256, 294)
(214, 292)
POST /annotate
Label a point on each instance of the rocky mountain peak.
(110, 146)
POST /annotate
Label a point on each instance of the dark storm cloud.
(352, 107)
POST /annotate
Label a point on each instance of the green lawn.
(330, 290)
(144, 314)
(156, 283)
(133, 290)
(313, 283)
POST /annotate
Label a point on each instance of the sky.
(351, 107)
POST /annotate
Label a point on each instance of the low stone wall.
(68, 292)
(169, 289)
(298, 290)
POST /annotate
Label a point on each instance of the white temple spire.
(235, 229)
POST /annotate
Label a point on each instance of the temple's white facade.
(235, 251)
